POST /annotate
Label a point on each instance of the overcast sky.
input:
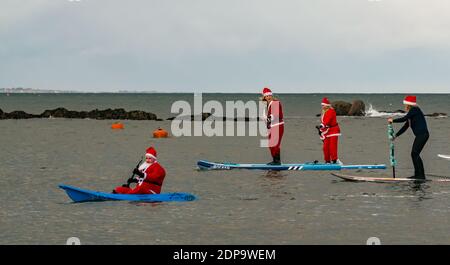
(295, 46)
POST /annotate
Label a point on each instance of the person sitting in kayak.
(416, 120)
(150, 177)
(329, 132)
(275, 125)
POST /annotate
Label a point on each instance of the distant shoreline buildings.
(22, 90)
(31, 90)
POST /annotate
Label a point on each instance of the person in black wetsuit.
(416, 120)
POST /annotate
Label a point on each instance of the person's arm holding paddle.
(406, 119)
(135, 172)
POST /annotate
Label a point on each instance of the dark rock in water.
(436, 114)
(358, 108)
(247, 119)
(342, 108)
(108, 114)
(60, 113)
(18, 115)
(2, 115)
(208, 115)
(205, 116)
(116, 114)
(393, 111)
(244, 119)
(140, 115)
(191, 118)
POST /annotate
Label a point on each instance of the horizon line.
(225, 93)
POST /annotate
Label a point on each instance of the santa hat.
(150, 152)
(267, 92)
(410, 100)
(326, 102)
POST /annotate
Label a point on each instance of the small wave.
(372, 112)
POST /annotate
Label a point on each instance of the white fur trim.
(144, 166)
(150, 155)
(267, 94)
(409, 103)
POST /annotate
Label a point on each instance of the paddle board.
(203, 164)
(383, 179)
(444, 156)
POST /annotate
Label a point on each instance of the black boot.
(417, 178)
(276, 161)
(420, 177)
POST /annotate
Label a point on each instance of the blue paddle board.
(203, 164)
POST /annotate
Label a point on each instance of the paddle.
(391, 137)
(132, 176)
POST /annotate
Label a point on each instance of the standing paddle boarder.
(329, 132)
(416, 120)
(150, 176)
(275, 125)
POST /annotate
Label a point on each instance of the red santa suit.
(152, 180)
(275, 125)
(329, 133)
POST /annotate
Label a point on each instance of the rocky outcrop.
(108, 114)
(358, 108)
(207, 115)
(342, 108)
(18, 115)
(436, 115)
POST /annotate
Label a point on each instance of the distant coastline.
(20, 90)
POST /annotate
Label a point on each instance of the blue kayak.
(202, 164)
(81, 195)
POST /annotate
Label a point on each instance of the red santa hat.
(267, 92)
(150, 152)
(410, 100)
(326, 102)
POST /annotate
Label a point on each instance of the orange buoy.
(160, 133)
(117, 125)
